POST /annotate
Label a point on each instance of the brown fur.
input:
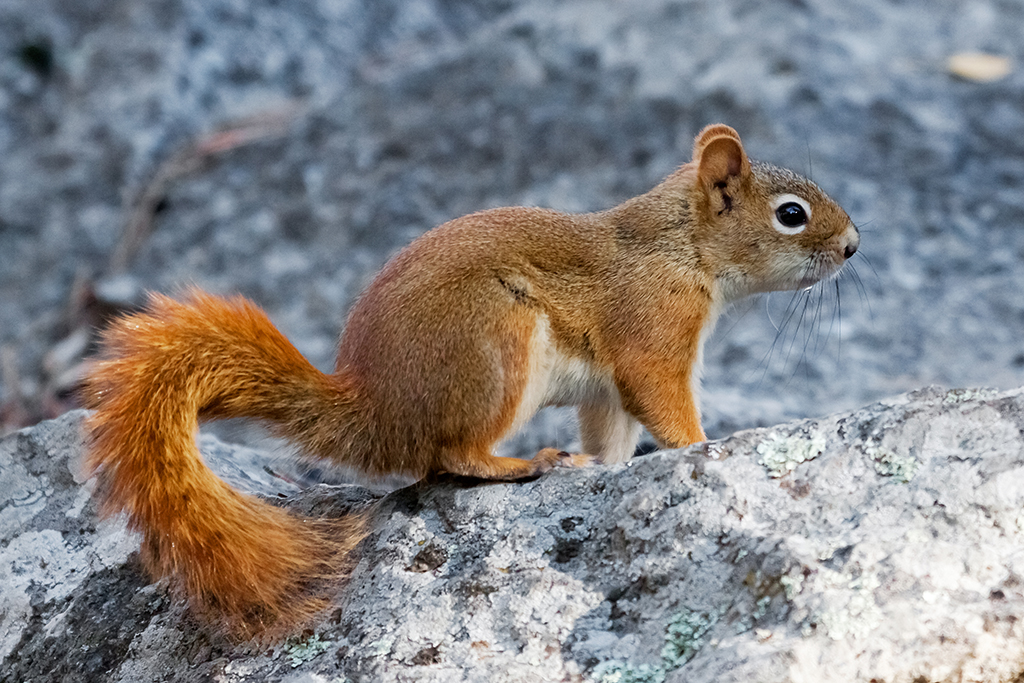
(240, 561)
(458, 340)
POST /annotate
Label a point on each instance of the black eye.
(791, 215)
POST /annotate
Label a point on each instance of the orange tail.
(242, 563)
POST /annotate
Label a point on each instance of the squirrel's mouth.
(820, 266)
(788, 273)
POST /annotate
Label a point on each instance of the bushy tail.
(243, 564)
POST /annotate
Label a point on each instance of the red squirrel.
(458, 341)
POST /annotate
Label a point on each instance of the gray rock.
(879, 545)
(406, 113)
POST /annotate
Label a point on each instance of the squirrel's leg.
(657, 371)
(608, 431)
(670, 413)
(660, 392)
(481, 464)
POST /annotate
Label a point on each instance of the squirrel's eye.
(792, 214)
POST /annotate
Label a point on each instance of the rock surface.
(879, 545)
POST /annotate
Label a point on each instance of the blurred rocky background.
(285, 150)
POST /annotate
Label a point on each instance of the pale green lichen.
(684, 637)
(381, 647)
(301, 650)
(781, 454)
(620, 672)
(961, 395)
(791, 584)
(761, 607)
(760, 610)
(888, 464)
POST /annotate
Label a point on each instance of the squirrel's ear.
(719, 155)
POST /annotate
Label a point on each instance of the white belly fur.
(558, 379)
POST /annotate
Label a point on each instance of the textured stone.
(893, 554)
(408, 113)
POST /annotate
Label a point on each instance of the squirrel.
(456, 343)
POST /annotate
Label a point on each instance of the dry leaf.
(979, 66)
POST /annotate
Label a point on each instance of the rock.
(878, 545)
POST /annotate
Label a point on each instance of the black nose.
(851, 249)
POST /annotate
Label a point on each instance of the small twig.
(192, 157)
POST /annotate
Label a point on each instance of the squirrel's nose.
(852, 241)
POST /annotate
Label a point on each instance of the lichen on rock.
(673, 566)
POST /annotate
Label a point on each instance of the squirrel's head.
(757, 227)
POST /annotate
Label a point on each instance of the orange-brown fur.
(463, 335)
